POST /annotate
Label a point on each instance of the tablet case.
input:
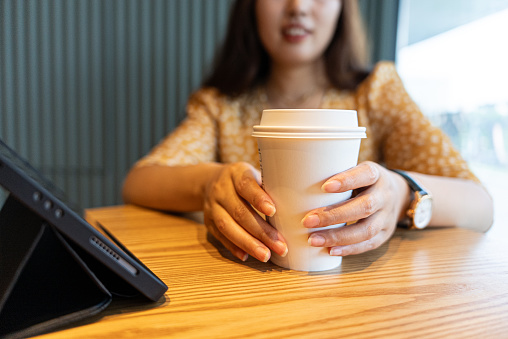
(26, 184)
(44, 282)
(56, 268)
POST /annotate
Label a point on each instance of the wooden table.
(435, 283)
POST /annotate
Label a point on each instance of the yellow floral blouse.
(218, 128)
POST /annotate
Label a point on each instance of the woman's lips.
(295, 33)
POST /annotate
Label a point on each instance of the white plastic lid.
(309, 117)
(309, 123)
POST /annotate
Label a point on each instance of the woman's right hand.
(229, 215)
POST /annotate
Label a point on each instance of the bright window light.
(459, 78)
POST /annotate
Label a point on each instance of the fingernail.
(268, 207)
(316, 240)
(245, 257)
(282, 246)
(331, 186)
(311, 221)
(335, 251)
(262, 254)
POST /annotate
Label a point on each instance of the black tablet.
(38, 194)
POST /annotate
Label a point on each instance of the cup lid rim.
(309, 132)
(309, 110)
(308, 129)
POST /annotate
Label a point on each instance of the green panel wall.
(88, 86)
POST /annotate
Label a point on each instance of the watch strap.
(415, 187)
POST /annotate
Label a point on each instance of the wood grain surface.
(435, 283)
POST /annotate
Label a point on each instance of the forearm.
(171, 188)
(458, 202)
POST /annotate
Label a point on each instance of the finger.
(235, 250)
(363, 246)
(362, 175)
(362, 206)
(362, 231)
(228, 227)
(243, 214)
(248, 187)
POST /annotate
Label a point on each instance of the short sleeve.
(194, 140)
(407, 139)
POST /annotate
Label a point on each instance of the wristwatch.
(420, 207)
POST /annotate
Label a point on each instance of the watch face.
(423, 212)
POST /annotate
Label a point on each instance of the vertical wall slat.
(146, 44)
(45, 84)
(33, 90)
(172, 64)
(83, 148)
(75, 172)
(95, 86)
(58, 94)
(109, 128)
(7, 77)
(157, 128)
(183, 74)
(20, 72)
(121, 70)
(195, 43)
(134, 80)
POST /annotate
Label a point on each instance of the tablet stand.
(44, 283)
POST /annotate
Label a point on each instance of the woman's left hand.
(382, 195)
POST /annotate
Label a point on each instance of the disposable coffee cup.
(299, 150)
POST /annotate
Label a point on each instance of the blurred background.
(89, 86)
(453, 58)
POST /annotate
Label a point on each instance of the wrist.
(419, 213)
(404, 194)
(208, 172)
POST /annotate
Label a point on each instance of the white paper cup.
(299, 150)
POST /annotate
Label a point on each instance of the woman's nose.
(298, 7)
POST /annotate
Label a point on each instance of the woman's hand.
(377, 207)
(229, 215)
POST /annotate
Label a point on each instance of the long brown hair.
(243, 63)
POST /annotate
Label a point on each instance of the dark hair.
(243, 63)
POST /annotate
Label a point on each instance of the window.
(453, 58)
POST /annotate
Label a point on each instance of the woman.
(303, 54)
